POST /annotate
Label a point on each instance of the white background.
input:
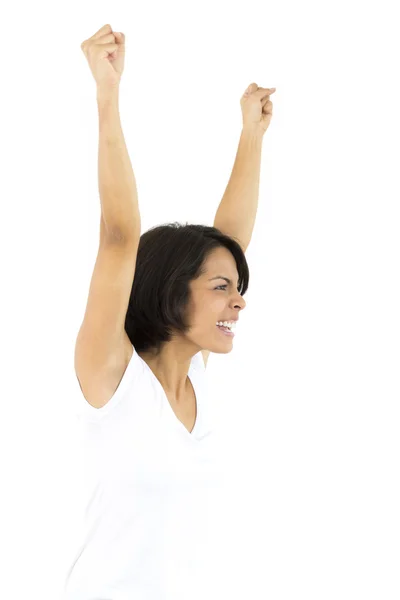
(308, 398)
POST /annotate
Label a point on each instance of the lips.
(226, 331)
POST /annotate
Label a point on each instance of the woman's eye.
(221, 286)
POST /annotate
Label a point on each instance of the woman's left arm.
(237, 211)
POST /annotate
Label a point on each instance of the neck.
(172, 373)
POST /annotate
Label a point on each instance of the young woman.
(158, 304)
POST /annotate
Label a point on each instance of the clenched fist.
(105, 53)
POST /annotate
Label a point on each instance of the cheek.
(209, 307)
(219, 303)
(215, 304)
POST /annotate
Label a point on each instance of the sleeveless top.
(151, 489)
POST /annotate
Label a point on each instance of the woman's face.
(214, 299)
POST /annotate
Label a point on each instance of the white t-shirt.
(152, 489)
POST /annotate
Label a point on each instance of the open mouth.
(225, 330)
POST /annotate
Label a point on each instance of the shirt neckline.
(169, 407)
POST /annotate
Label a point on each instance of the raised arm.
(117, 184)
(120, 218)
(102, 347)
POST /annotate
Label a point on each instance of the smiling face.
(214, 299)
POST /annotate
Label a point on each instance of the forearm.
(117, 184)
(237, 211)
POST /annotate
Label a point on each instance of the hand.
(105, 52)
(256, 108)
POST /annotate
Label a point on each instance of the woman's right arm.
(117, 184)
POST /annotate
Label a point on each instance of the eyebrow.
(220, 277)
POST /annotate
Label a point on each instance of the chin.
(220, 348)
(227, 350)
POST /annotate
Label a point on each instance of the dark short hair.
(169, 257)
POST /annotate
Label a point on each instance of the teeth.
(229, 324)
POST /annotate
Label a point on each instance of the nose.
(241, 303)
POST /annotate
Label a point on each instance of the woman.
(158, 304)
